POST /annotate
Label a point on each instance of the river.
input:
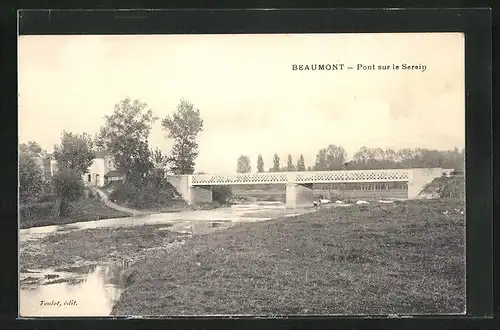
(93, 289)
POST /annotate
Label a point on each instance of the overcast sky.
(250, 99)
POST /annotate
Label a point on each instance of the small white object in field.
(315, 203)
(385, 202)
(339, 202)
(198, 264)
(324, 201)
(461, 212)
(445, 212)
(362, 202)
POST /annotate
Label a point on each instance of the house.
(113, 175)
(100, 171)
(101, 165)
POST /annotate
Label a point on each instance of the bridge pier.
(190, 194)
(419, 178)
(299, 195)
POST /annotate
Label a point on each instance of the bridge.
(196, 188)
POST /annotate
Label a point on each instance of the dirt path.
(106, 200)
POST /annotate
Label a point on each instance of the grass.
(401, 258)
(64, 249)
(86, 209)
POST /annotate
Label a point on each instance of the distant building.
(100, 171)
(113, 176)
(101, 165)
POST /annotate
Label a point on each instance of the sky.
(250, 99)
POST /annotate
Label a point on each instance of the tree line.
(334, 157)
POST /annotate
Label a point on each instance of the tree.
(309, 168)
(75, 152)
(331, 158)
(276, 163)
(125, 135)
(159, 161)
(260, 164)
(183, 126)
(301, 167)
(243, 164)
(30, 147)
(30, 179)
(68, 185)
(289, 164)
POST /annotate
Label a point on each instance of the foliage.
(75, 152)
(301, 167)
(159, 161)
(243, 165)
(276, 163)
(151, 191)
(30, 147)
(222, 194)
(376, 158)
(260, 164)
(289, 164)
(68, 184)
(30, 179)
(331, 158)
(183, 126)
(125, 135)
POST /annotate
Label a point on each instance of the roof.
(113, 174)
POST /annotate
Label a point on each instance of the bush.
(149, 192)
(222, 194)
(30, 179)
(68, 185)
(35, 212)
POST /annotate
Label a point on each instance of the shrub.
(68, 185)
(28, 214)
(149, 192)
(30, 179)
(222, 194)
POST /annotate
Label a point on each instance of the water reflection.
(90, 290)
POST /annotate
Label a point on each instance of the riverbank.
(115, 244)
(86, 209)
(403, 258)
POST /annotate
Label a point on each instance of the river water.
(93, 289)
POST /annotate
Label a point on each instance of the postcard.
(251, 174)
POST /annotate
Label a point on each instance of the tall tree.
(183, 126)
(125, 135)
(301, 166)
(289, 164)
(260, 164)
(276, 163)
(30, 179)
(331, 158)
(74, 152)
(243, 164)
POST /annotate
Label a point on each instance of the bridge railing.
(394, 175)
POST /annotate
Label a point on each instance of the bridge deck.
(395, 175)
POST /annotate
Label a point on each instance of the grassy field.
(400, 258)
(86, 209)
